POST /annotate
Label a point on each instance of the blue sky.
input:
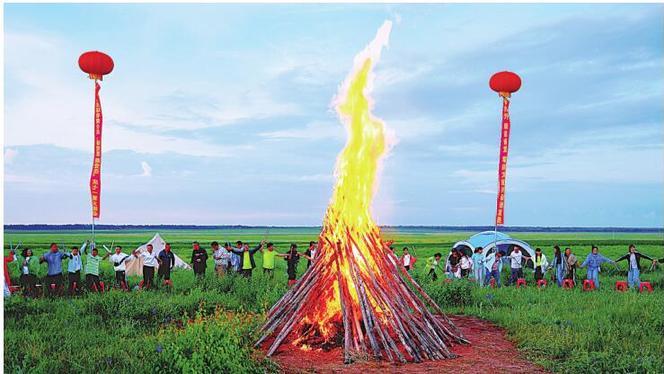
(220, 113)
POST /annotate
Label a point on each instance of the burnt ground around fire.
(489, 351)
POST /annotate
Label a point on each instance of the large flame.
(348, 223)
(356, 294)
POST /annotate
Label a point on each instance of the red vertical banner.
(95, 176)
(502, 163)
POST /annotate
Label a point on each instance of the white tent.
(135, 267)
(489, 240)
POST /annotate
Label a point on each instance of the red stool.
(541, 283)
(568, 283)
(645, 286)
(588, 284)
(621, 286)
(103, 287)
(492, 282)
(520, 282)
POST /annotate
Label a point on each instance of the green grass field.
(212, 324)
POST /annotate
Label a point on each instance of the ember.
(356, 294)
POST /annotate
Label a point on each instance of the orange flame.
(350, 239)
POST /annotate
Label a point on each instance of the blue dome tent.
(489, 241)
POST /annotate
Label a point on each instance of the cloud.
(10, 155)
(135, 118)
(147, 169)
(316, 130)
(591, 157)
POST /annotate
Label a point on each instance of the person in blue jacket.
(593, 262)
(478, 266)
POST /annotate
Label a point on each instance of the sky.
(221, 113)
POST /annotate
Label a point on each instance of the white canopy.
(135, 267)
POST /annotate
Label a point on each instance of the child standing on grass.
(634, 259)
(593, 261)
(478, 266)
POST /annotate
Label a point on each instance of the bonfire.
(357, 295)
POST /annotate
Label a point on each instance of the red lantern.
(96, 64)
(505, 83)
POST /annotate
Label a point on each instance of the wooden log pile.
(358, 295)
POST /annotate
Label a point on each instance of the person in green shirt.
(432, 264)
(28, 266)
(92, 268)
(268, 259)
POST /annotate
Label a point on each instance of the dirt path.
(490, 351)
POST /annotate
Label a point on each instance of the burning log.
(356, 292)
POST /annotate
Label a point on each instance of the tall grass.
(210, 324)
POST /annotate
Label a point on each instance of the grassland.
(211, 324)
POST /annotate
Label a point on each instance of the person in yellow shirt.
(268, 259)
(247, 263)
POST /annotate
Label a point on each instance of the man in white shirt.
(515, 264)
(221, 258)
(150, 263)
(119, 259)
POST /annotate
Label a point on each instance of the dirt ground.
(490, 351)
